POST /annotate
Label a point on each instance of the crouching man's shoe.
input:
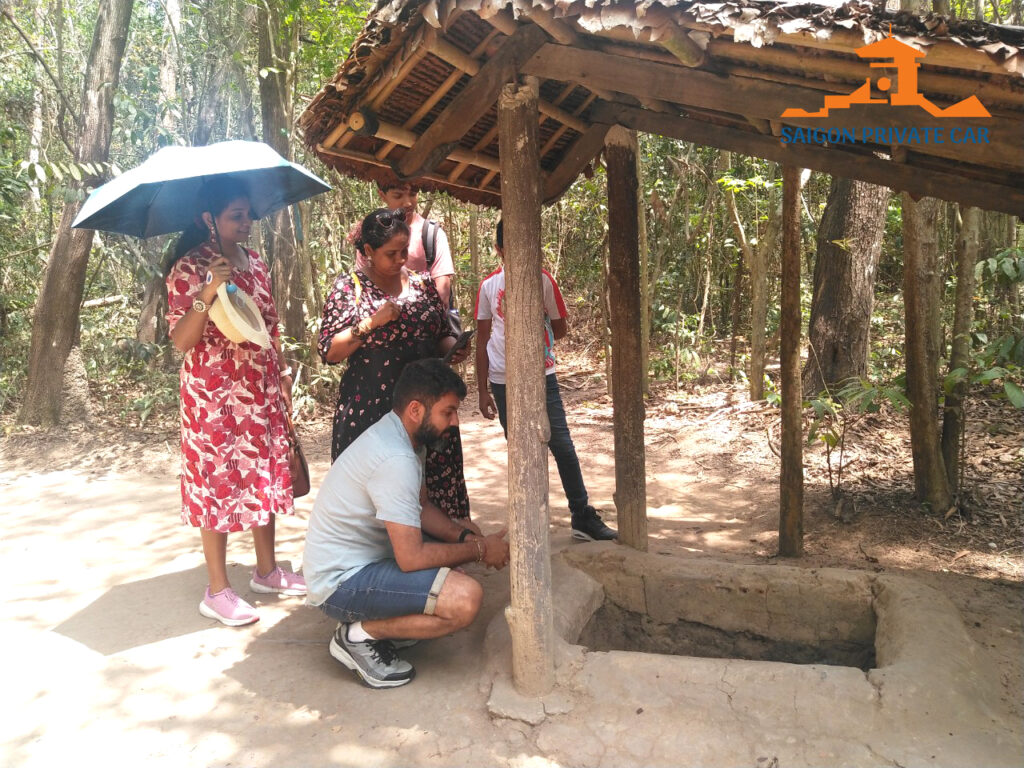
(375, 661)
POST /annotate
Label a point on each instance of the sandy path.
(106, 654)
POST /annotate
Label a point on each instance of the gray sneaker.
(375, 661)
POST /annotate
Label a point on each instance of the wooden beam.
(676, 41)
(582, 151)
(439, 93)
(530, 612)
(627, 364)
(560, 130)
(351, 155)
(395, 134)
(379, 92)
(503, 22)
(491, 135)
(940, 53)
(471, 103)
(1007, 90)
(468, 63)
(791, 479)
(946, 184)
(756, 98)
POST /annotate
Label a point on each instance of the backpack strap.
(430, 228)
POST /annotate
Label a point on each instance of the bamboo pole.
(530, 613)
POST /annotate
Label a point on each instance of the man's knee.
(460, 599)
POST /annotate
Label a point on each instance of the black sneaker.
(588, 526)
(375, 661)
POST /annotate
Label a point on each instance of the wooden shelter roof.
(416, 96)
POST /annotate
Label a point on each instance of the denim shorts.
(383, 591)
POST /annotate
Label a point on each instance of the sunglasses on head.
(387, 218)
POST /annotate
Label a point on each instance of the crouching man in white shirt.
(378, 555)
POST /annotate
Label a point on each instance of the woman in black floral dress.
(380, 318)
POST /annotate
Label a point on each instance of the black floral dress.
(369, 381)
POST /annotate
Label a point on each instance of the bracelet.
(479, 549)
(465, 532)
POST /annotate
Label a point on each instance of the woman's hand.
(387, 312)
(219, 271)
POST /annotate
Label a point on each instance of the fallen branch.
(106, 301)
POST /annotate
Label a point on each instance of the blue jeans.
(382, 590)
(561, 444)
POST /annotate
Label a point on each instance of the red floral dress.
(234, 444)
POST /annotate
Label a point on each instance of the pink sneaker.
(278, 580)
(228, 608)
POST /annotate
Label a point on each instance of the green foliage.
(835, 413)
(1005, 268)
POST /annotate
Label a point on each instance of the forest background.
(89, 88)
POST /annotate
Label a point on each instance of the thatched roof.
(416, 95)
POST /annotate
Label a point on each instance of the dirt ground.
(104, 641)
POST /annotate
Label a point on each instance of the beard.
(430, 436)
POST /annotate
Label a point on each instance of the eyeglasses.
(387, 218)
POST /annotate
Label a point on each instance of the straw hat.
(238, 317)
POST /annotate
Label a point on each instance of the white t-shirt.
(490, 305)
(375, 480)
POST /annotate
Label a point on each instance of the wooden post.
(791, 479)
(922, 292)
(530, 612)
(627, 365)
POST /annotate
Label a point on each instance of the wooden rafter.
(582, 151)
(439, 93)
(471, 103)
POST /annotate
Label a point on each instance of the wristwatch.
(199, 305)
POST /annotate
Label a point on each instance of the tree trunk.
(474, 244)
(624, 286)
(791, 478)
(746, 257)
(849, 246)
(152, 327)
(530, 613)
(55, 318)
(606, 315)
(963, 316)
(36, 133)
(922, 286)
(289, 273)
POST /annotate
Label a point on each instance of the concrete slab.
(932, 700)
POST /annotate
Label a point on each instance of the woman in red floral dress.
(234, 444)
